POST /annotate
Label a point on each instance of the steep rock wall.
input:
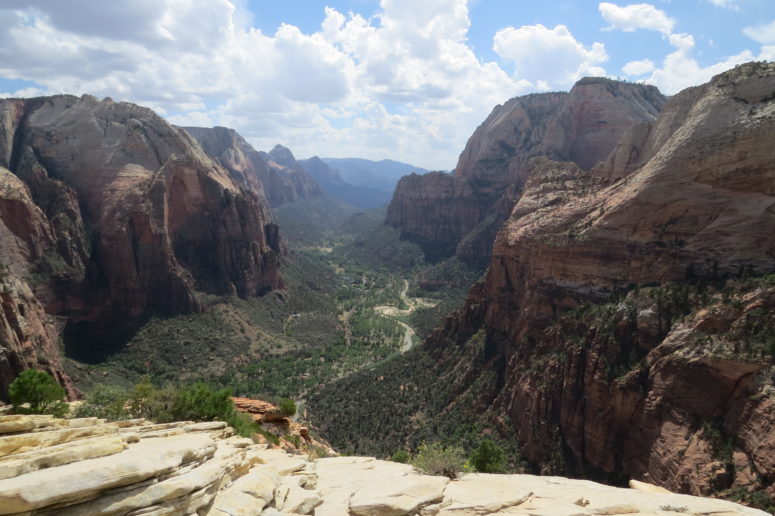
(121, 214)
(692, 407)
(276, 174)
(582, 126)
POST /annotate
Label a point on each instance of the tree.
(287, 407)
(37, 388)
(488, 457)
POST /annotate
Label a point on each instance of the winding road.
(393, 312)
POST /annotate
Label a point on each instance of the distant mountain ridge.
(362, 197)
(282, 179)
(381, 175)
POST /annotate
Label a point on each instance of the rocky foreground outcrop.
(276, 174)
(106, 213)
(633, 388)
(461, 213)
(89, 467)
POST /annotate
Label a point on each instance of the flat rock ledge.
(89, 467)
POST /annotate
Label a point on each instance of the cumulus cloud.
(548, 58)
(638, 67)
(764, 34)
(681, 69)
(636, 16)
(405, 82)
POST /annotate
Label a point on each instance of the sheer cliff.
(276, 174)
(623, 344)
(461, 213)
(107, 213)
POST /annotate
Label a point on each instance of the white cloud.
(763, 34)
(636, 16)
(680, 69)
(406, 82)
(548, 57)
(729, 4)
(638, 67)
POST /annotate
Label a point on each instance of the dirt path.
(393, 311)
(348, 333)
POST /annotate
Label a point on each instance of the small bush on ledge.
(287, 407)
(435, 459)
(39, 391)
(401, 456)
(488, 457)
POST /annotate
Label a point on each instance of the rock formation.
(107, 212)
(277, 174)
(461, 213)
(271, 418)
(639, 387)
(90, 467)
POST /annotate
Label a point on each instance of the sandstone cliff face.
(636, 391)
(461, 213)
(29, 339)
(276, 175)
(127, 214)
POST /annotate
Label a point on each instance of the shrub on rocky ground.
(401, 456)
(197, 402)
(436, 459)
(488, 457)
(37, 392)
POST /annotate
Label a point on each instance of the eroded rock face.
(163, 220)
(135, 467)
(462, 213)
(275, 174)
(635, 392)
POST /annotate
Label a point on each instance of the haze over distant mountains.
(360, 182)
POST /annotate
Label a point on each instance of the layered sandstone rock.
(276, 174)
(461, 213)
(164, 221)
(292, 435)
(29, 339)
(690, 195)
(90, 467)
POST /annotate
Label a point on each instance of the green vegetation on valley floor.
(321, 328)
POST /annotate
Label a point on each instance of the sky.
(408, 80)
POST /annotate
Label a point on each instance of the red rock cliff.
(124, 214)
(461, 213)
(629, 388)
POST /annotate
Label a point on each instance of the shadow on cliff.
(93, 343)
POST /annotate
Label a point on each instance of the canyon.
(624, 329)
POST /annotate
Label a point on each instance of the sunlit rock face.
(276, 174)
(90, 467)
(691, 194)
(461, 213)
